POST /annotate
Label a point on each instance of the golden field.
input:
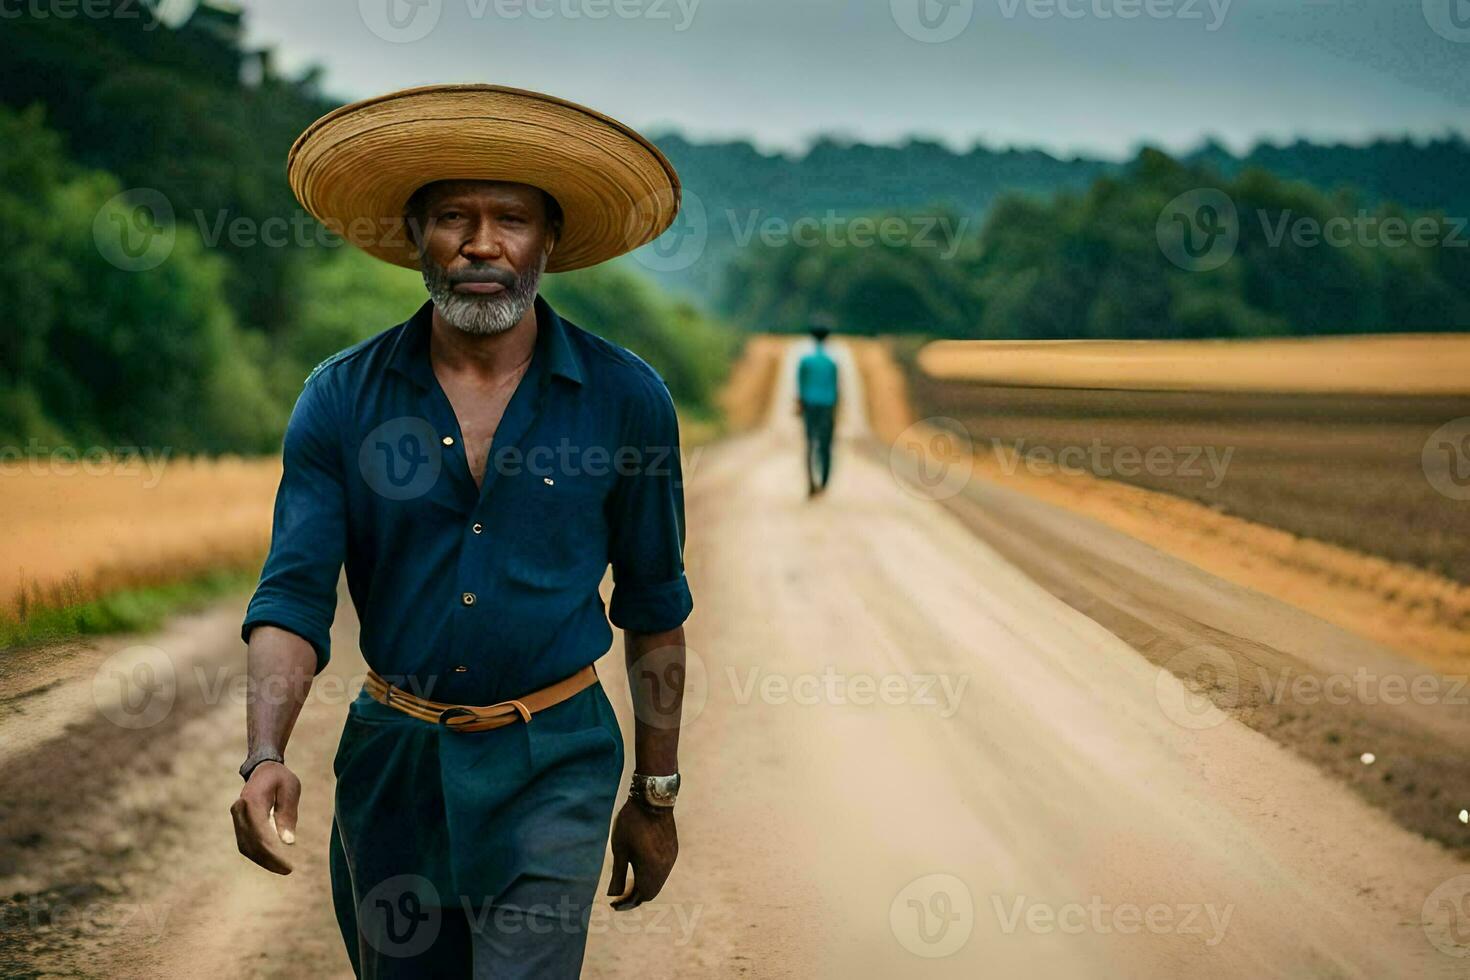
(1400, 364)
(78, 530)
(75, 532)
(1401, 604)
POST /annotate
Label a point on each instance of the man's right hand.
(272, 787)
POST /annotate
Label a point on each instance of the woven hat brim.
(356, 167)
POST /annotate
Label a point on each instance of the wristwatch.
(256, 758)
(655, 791)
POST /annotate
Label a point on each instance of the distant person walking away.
(816, 392)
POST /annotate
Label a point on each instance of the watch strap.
(256, 758)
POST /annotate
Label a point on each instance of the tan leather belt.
(470, 718)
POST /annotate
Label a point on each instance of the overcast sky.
(1070, 76)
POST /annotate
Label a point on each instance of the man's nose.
(483, 243)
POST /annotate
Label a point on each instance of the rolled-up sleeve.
(298, 586)
(646, 519)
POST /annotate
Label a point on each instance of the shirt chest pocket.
(558, 528)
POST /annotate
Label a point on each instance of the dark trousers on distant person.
(819, 421)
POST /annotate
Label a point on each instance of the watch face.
(660, 789)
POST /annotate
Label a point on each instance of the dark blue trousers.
(818, 420)
(472, 854)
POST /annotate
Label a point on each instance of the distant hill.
(739, 187)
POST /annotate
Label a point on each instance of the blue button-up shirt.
(479, 594)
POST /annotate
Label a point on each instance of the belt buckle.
(450, 714)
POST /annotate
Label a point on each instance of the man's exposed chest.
(479, 409)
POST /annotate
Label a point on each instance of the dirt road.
(902, 756)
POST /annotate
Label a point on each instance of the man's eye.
(450, 215)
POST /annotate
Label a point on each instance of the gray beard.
(481, 315)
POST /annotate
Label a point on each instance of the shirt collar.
(410, 355)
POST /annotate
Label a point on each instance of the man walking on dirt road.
(816, 392)
(477, 468)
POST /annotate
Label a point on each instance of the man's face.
(483, 246)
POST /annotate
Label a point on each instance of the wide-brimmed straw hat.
(356, 167)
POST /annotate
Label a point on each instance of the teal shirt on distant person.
(816, 379)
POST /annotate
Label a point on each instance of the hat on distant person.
(355, 168)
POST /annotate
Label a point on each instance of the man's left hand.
(644, 836)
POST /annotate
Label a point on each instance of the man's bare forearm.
(281, 669)
(656, 679)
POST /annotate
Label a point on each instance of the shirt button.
(460, 669)
(448, 440)
(477, 528)
(468, 598)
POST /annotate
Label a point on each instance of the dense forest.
(738, 190)
(122, 140)
(1283, 258)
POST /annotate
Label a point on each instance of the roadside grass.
(130, 610)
